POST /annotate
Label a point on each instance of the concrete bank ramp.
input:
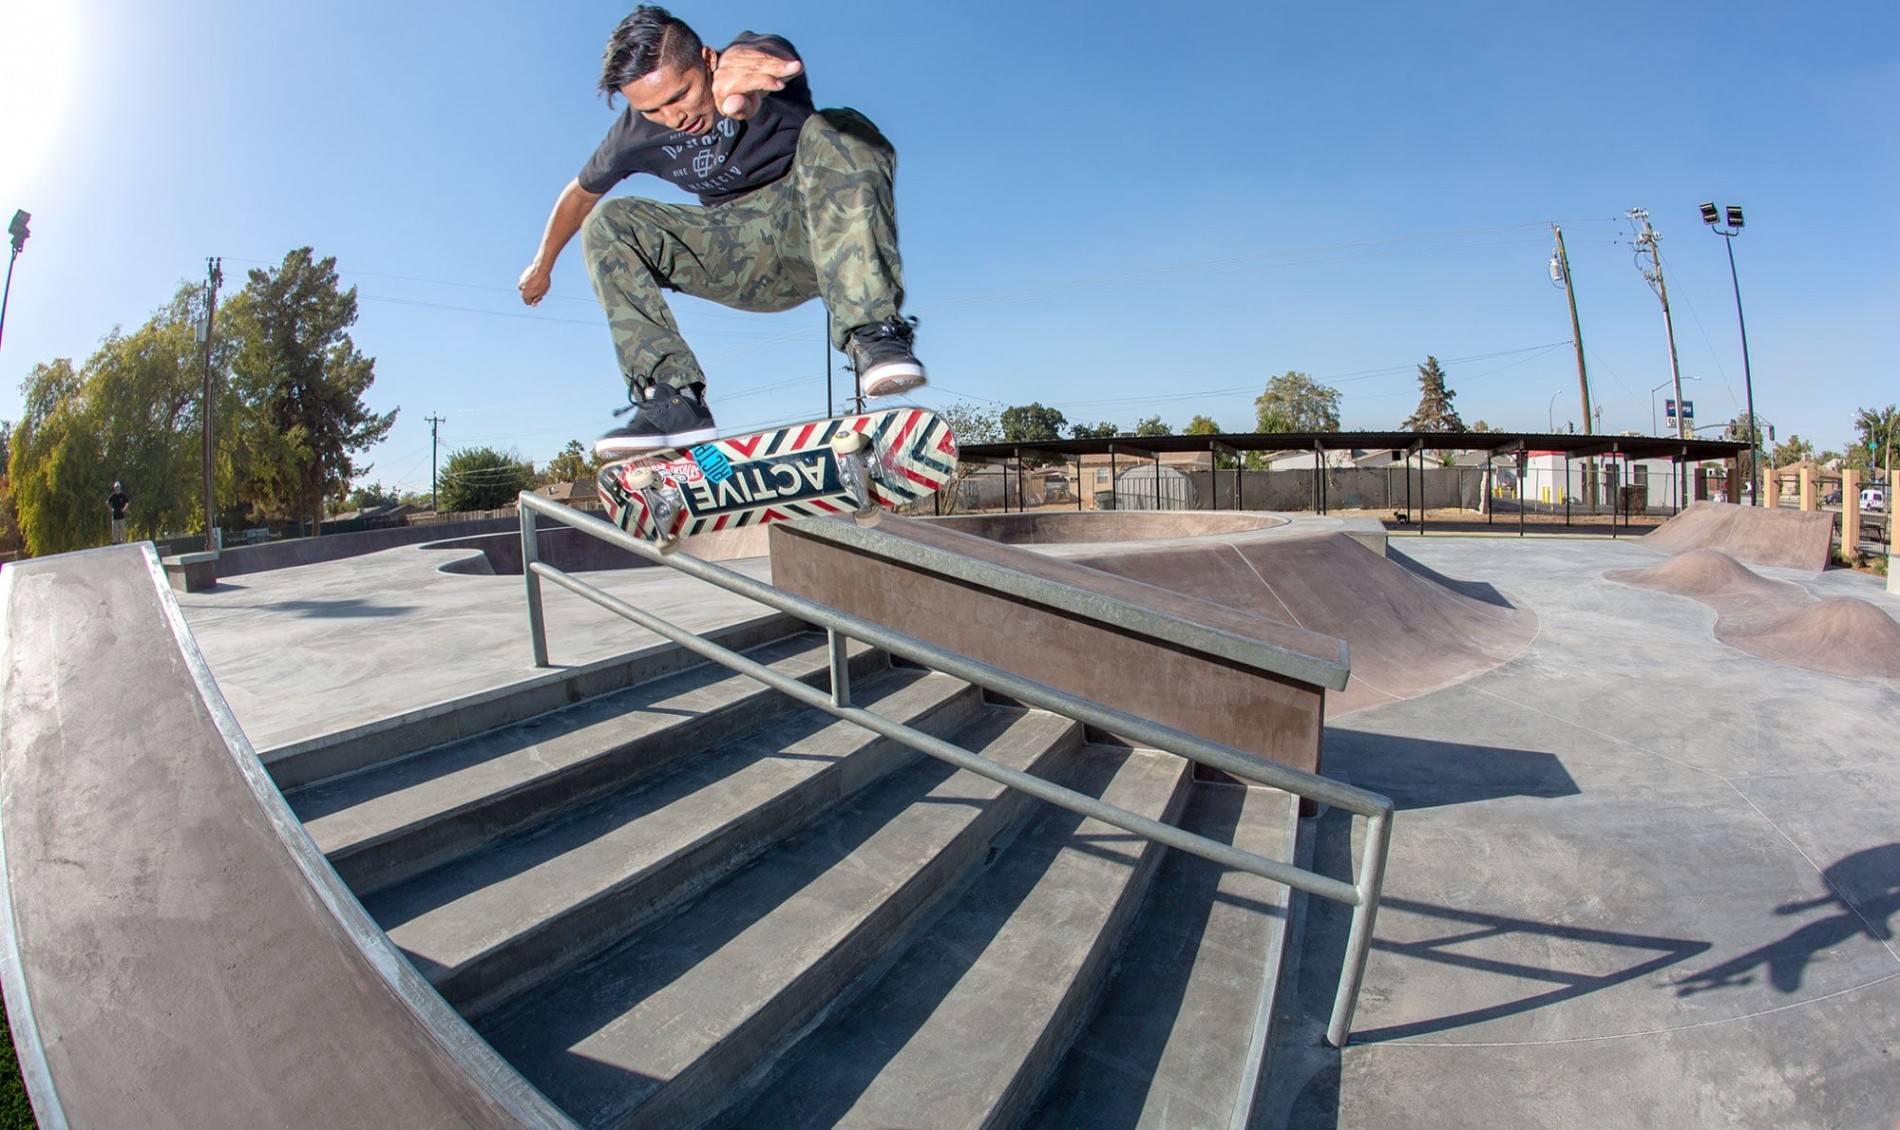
(175, 952)
(1776, 539)
(1409, 631)
(1779, 620)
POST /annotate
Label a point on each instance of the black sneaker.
(664, 417)
(880, 355)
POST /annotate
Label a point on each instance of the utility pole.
(214, 270)
(1646, 241)
(1560, 274)
(435, 422)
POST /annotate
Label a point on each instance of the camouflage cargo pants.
(827, 229)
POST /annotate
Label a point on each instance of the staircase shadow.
(1417, 773)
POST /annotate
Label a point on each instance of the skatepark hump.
(1778, 539)
(1779, 620)
(1409, 631)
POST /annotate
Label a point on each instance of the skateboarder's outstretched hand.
(743, 74)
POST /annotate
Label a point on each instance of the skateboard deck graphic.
(856, 465)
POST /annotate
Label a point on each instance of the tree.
(971, 423)
(132, 413)
(481, 478)
(575, 464)
(1878, 431)
(1031, 422)
(1103, 430)
(1201, 426)
(1794, 449)
(1295, 402)
(301, 380)
(1742, 430)
(1152, 426)
(368, 498)
(1434, 412)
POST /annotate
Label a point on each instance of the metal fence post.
(530, 557)
(840, 667)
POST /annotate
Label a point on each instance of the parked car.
(1873, 498)
(1832, 498)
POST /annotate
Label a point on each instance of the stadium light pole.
(16, 229)
(1714, 218)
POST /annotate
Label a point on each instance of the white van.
(1873, 498)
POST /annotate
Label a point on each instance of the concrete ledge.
(192, 572)
(174, 949)
(1225, 674)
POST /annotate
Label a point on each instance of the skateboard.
(857, 465)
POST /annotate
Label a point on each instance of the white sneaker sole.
(889, 380)
(623, 447)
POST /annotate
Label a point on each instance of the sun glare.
(36, 82)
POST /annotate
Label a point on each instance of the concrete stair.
(694, 901)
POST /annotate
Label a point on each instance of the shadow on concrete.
(1864, 892)
(349, 608)
(1476, 590)
(1310, 1071)
(1417, 773)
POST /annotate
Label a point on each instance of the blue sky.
(1117, 210)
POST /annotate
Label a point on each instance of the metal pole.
(530, 556)
(7, 293)
(18, 231)
(1748, 379)
(216, 276)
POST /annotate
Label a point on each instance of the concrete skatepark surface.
(1641, 877)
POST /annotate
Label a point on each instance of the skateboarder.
(795, 204)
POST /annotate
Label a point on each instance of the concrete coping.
(1182, 621)
(188, 559)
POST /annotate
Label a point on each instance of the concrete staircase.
(692, 900)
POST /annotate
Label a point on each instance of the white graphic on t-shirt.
(706, 160)
(728, 127)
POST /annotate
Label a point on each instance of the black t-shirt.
(118, 501)
(727, 161)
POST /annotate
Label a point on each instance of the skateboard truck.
(660, 509)
(855, 471)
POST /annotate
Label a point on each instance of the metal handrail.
(1362, 894)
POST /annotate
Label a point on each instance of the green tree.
(971, 422)
(367, 498)
(1434, 412)
(54, 465)
(481, 478)
(1295, 402)
(575, 464)
(1742, 430)
(1794, 449)
(1103, 430)
(301, 380)
(1201, 426)
(1030, 422)
(1152, 426)
(1878, 434)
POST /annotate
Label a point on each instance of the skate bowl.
(1776, 539)
(1778, 620)
(1409, 631)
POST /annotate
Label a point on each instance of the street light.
(16, 229)
(1652, 405)
(1714, 217)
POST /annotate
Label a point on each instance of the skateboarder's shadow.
(1863, 889)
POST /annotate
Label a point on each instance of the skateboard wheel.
(640, 478)
(845, 443)
(871, 517)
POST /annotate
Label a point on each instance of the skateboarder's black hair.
(644, 40)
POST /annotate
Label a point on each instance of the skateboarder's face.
(677, 97)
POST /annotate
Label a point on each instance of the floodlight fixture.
(17, 229)
(1710, 214)
(1735, 216)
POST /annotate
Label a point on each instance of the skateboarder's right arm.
(570, 212)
